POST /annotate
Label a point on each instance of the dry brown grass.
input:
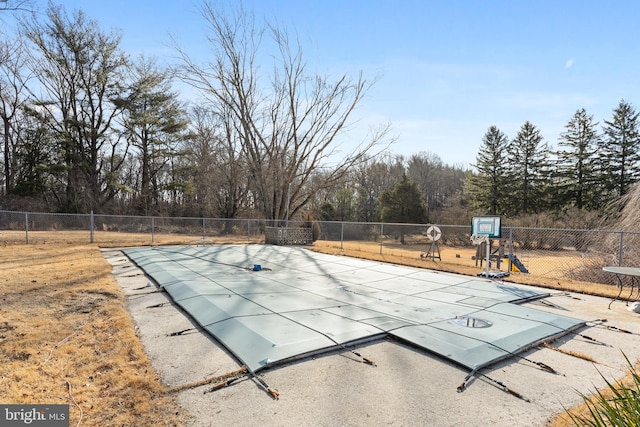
(453, 259)
(66, 338)
(459, 260)
(109, 239)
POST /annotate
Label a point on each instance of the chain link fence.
(552, 253)
(114, 230)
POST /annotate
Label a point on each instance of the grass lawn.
(66, 338)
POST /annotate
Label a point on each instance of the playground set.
(486, 234)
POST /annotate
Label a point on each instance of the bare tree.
(371, 180)
(436, 180)
(219, 172)
(16, 5)
(13, 78)
(288, 129)
(80, 69)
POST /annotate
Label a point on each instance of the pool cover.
(269, 304)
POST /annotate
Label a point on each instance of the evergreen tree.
(35, 153)
(576, 183)
(530, 173)
(153, 122)
(371, 180)
(487, 190)
(345, 204)
(620, 159)
(403, 204)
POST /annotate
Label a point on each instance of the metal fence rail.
(546, 252)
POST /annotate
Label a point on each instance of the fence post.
(204, 232)
(341, 236)
(153, 226)
(91, 224)
(26, 227)
(620, 250)
(381, 234)
(510, 247)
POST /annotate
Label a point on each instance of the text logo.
(34, 415)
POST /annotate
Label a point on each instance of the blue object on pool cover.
(301, 302)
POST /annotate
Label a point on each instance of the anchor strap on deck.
(502, 386)
(272, 391)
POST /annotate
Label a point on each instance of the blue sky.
(446, 70)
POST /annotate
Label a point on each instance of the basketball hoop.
(478, 239)
(483, 229)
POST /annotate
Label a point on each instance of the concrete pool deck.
(410, 384)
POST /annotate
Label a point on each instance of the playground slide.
(517, 264)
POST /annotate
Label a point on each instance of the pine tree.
(403, 204)
(620, 160)
(575, 180)
(531, 169)
(486, 191)
(154, 122)
(371, 180)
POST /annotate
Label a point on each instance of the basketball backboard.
(486, 226)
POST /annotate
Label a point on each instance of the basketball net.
(479, 239)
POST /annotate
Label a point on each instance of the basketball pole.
(488, 255)
(488, 226)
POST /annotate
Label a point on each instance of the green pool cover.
(268, 304)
